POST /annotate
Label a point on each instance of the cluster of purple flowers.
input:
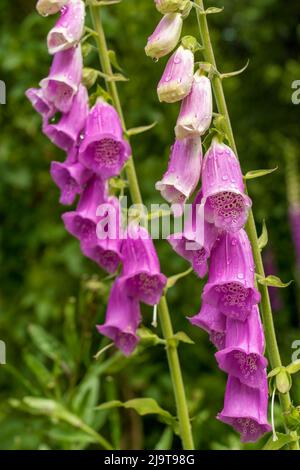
(214, 231)
(96, 151)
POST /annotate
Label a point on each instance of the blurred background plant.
(51, 297)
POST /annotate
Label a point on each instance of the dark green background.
(42, 267)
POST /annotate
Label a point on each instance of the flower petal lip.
(211, 320)
(50, 7)
(40, 103)
(177, 79)
(123, 317)
(165, 37)
(69, 28)
(64, 78)
(196, 109)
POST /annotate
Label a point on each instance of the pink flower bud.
(196, 109)
(165, 37)
(176, 82)
(69, 28)
(226, 205)
(183, 173)
(50, 7)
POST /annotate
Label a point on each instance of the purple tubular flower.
(66, 132)
(40, 103)
(176, 82)
(68, 29)
(70, 176)
(188, 245)
(103, 148)
(122, 319)
(230, 286)
(223, 188)
(294, 216)
(243, 354)
(211, 320)
(107, 251)
(82, 223)
(196, 109)
(64, 78)
(165, 37)
(50, 7)
(183, 173)
(141, 270)
(246, 409)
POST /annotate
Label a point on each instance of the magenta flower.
(103, 148)
(183, 173)
(171, 6)
(106, 252)
(196, 109)
(230, 286)
(294, 216)
(70, 176)
(188, 244)
(223, 188)
(141, 270)
(50, 7)
(176, 82)
(40, 103)
(82, 223)
(165, 37)
(69, 28)
(211, 320)
(246, 409)
(242, 356)
(64, 78)
(66, 132)
(122, 319)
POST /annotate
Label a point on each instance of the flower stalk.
(266, 311)
(167, 329)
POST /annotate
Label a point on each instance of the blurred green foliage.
(51, 298)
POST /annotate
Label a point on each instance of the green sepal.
(294, 367)
(140, 130)
(148, 338)
(174, 279)
(235, 73)
(114, 61)
(258, 173)
(263, 239)
(272, 281)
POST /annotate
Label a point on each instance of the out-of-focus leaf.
(283, 440)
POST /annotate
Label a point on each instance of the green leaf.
(274, 372)
(41, 373)
(174, 279)
(148, 337)
(259, 173)
(143, 406)
(140, 130)
(283, 440)
(100, 93)
(263, 239)
(272, 281)
(166, 440)
(294, 367)
(213, 10)
(183, 337)
(235, 73)
(102, 3)
(114, 61)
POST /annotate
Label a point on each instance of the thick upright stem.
(266, 311)
(172, 353)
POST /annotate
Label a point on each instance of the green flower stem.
(266, 311)
(172, 353)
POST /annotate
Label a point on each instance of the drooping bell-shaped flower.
(106, 252)
(69, 28)
(50, 7)
(82, 223)
(171, 6)
(211, 320)
(64, 78)
(103, 149)
(183, 173)
(196, 109)
(66, 132)
(189, 244)
(70, 176)
(122, 319)
(246, 409)
(230, 286)
(294, 216)
(227, 205)
(165, 37)
(242, 356)
(177, 79)
(40, 103)
(141, 271)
